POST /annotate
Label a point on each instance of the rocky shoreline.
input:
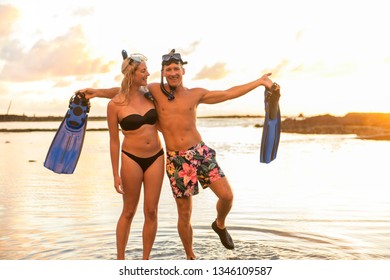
(375, 126)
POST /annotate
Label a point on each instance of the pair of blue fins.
(65, 149)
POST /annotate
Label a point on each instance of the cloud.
(62, 83)
(65, 55)
(215, 72)
(155, 76)
(190, 49)
(299, 35)
(279, 68)
(84, 11)
(324, 69)
(9, 47)
(8, 15)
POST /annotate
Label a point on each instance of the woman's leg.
(153, 178)
(132, 176)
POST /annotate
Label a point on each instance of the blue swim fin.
(66, 146)
(272, 125)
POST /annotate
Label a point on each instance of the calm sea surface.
(324, 197)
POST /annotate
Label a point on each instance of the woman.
(142, 160)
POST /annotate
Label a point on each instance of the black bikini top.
(134, 121)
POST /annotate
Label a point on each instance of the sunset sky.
(328, 56)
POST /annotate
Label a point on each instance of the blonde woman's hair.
(128, 70)
(129, 66)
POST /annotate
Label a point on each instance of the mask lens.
(137, 57)
(176, 56)
(169, 57)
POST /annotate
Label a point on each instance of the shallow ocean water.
(324, 197)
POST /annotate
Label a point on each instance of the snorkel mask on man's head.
(172, 57)
(168, 59)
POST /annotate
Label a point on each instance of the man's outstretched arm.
(217, 96)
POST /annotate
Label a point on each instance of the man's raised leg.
(224, 192)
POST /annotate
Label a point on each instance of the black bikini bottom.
(144, 163)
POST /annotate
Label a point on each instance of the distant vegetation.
(364, 125)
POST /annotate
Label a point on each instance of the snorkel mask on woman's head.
(137, 57)
(130, 59)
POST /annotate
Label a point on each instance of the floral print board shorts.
(185, 168)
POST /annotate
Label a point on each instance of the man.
(189, 159)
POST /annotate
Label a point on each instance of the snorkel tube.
(170, 95)
(124, 54)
